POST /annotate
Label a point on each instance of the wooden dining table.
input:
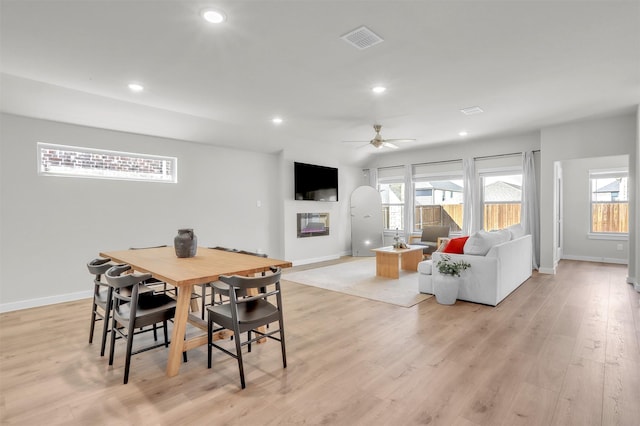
(184, 273)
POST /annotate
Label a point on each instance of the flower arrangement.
(447, 266)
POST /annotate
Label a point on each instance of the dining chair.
(204, 287)
(246, 314)
(102, 298)
(223, 289)
(135, 310)
(214, 288)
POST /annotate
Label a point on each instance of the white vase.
(445, 288)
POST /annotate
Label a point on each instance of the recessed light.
(276, 120)
(213, 16)
(378, 89)
(136, 87)
(463, 133)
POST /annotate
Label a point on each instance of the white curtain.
(373, 178)
(530, 214)
(472, 217)
(408, 202)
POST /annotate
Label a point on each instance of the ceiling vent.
(472, 110)
(362, 38)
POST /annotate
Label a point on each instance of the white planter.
(445, 288)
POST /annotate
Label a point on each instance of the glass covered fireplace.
(313, 224)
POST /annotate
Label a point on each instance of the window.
(501, 199)
(392, 195)
(438, 201)
(62, 160)
(391, 186)
(609, 202)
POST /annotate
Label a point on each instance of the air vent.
(362, 38)
(472, 110)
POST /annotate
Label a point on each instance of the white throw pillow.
(481, 242)
(516, 231)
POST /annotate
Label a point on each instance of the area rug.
(358, 278)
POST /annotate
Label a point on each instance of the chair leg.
(203, 298)
(166, 333)
(209, 340)
(155, 332)
(127, 362)
(114, 324)
(282, 345)
(107, 317)
(239, 356)
(105, 329)
(93, 322)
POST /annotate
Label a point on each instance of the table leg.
(411, 259)
(387, 265)
(179, 328)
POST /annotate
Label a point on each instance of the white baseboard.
(596, 259)
(634, 282)
(550, 271)
(319, 259)
(70, 297)
(43, 301)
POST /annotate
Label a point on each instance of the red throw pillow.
(456, 245)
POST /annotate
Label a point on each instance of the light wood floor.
(561, 350)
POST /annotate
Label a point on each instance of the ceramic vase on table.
(445, 288)
(186, 243)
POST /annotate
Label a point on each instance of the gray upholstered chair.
(247, 314)
(429, 238)
(135, 310)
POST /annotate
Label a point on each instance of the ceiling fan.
(379, 142)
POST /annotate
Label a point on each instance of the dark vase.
(186, 243)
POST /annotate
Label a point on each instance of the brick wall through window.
(64, 160)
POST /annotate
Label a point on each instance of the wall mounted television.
(315, 183)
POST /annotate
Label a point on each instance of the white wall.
(457, 151)
(338, 242)
(593, 137)
(597, 137)
(51, 226)
(577, 217)
(460, 150)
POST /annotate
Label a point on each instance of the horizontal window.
(63, 160)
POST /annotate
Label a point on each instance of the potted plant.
(447, 284)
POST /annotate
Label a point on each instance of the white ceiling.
(528, 64)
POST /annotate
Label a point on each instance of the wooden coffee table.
(388, 258)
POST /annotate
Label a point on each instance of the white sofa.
(491, 278)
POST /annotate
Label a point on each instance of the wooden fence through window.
(610, 217)
(439, 215)
(496, 216)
